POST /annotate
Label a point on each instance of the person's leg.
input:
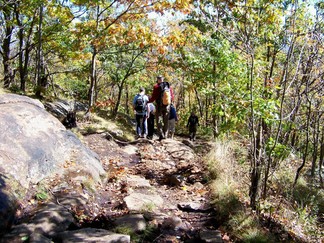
(138, 125)
(144, 132)
(150, 126)
(190, 132)
(171, 128)
(194, 133)
(166, 114)
(158, 117)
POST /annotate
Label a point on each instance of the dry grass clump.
(98, 124)
(246, 227)
(229, 174)
(301, 205)
(227, 178)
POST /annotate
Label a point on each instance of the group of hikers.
(163, 112)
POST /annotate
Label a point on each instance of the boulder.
(34, 145)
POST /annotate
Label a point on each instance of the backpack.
(140, 104)
(165, 93)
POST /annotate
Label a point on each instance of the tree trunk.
(215, 125)
(127, 100)
(120, 91)
(199, 103)
(306, 146)
(41, 79)
(321, 157)
(206, 109)
(256, 150)
(316, 133)
(93, 78)
(24, 50)
(7, 71)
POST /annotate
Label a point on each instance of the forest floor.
(180, 182)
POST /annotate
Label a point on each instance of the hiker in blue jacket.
(140, 106)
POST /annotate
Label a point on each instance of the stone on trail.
(178, 150)
(92, 235)
(135, 181)
(194, 207)
(211, 236)
(139, 202)
(135, 222)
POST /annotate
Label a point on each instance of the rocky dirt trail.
(165, 181)
(155, 191)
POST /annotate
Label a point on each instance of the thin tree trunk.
(127, 100)
(199, 103)
(255, 160)
(120, 90)
(206, 109)
(40, 64)
(316, 133)
(321, 158)
(7, 72)
(215, 125)
(306, 145)
(91, 93)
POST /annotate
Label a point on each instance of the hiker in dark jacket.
(173, 118)
(192, 124)
(162, 111)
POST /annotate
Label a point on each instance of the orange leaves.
(109, 103)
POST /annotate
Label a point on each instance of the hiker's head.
(142, 90)
(159, 79)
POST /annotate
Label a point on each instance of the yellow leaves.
(183, 6)
(161, 7)
(68, 164)
(113, 30)
(91, 24)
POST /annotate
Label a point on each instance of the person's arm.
(155, 94)
(147, 106)
(134, 101)
(148, 110)
(171, 92)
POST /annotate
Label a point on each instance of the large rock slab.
(178, 150)
(34, 145)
